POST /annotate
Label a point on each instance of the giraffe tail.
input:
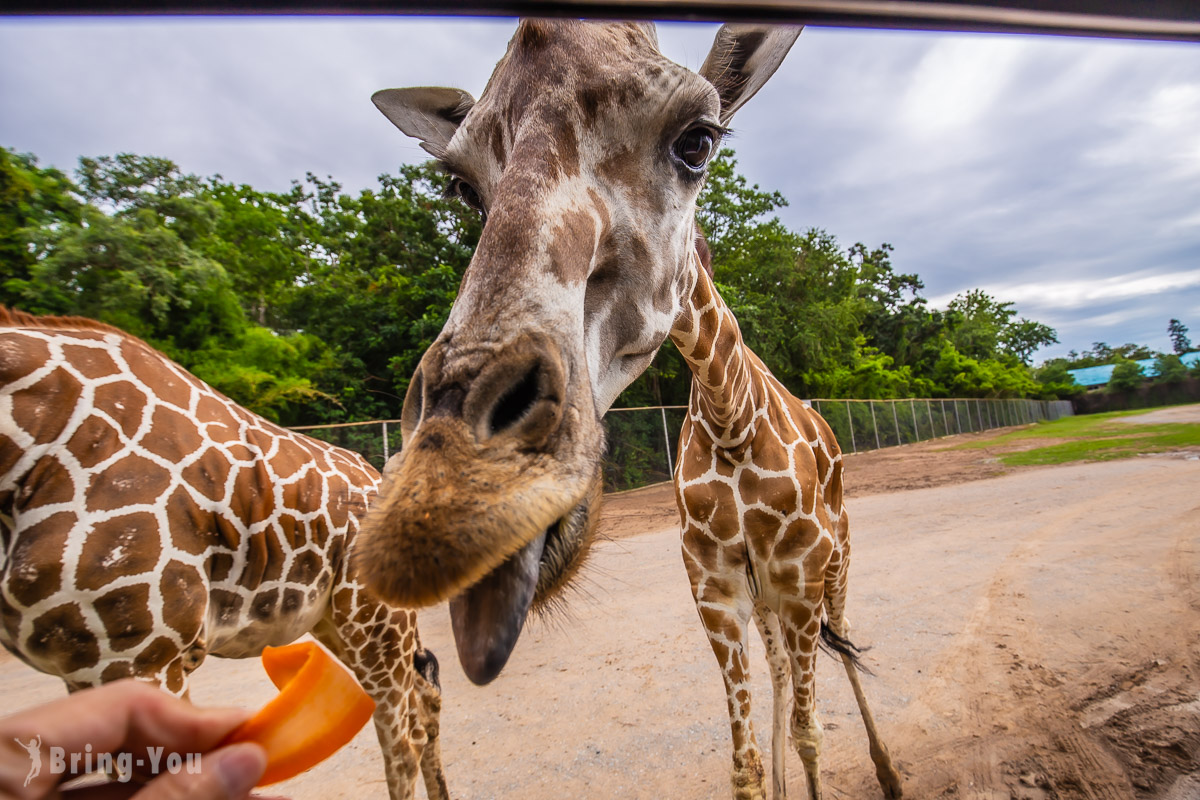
(837, 645)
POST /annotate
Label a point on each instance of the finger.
(125, 716)
(226, 774)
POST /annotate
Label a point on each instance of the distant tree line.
(314, 305)
(1128, 374)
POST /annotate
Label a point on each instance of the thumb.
(226, 774)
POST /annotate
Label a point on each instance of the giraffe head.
(585, 155)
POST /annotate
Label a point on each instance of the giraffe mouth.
(487, 618)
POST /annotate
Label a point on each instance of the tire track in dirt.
(1019, 719)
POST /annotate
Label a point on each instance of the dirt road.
(1033, 635)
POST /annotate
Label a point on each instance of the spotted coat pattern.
(147, 521)
(765, 534)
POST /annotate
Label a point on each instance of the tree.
(1169, 368)
(1179, 338)
(34, 201)
(1126, 377)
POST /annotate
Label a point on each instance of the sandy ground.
(1034, 634)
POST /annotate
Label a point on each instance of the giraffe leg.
(801, 627)
(835, 607)
(429, 710)
(725, 608)
(768, 628)
(889, 779)
(383, 665)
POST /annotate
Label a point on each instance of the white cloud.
(1086, 292)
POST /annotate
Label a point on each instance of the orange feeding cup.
(319, 709)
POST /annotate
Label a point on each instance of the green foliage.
(1169, 368)
(1057, 381)
(34, 202)
(1179, 338)
(1126, 376)
(315, 306)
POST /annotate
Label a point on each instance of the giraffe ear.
(429, 113)
(742, 58)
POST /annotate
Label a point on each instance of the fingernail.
(239, 767)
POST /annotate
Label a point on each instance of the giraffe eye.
(466, 192)
(695, 147)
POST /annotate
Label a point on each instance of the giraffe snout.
(515, 393)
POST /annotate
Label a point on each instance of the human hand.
(136, 727)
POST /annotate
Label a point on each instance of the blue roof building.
(1089, 377)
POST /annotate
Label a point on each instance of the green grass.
(1093, 437)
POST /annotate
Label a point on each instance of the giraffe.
(147, 521)
(585, 154)
(765, 534)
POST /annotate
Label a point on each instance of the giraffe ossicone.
(147, 522)
(585, 152)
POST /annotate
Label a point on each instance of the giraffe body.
(147, 521)
(765, 536)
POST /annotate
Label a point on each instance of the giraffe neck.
(726, 386)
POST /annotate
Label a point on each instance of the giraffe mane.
(15, 318)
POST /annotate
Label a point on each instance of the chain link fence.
(642, 442)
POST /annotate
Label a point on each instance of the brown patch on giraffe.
(287, 462)
(778, 493)
(713, 503)
(118, 547)
(226, 606)
(571, 245)
(116, 671)
(61, 637)
(209, 474)
(190, 526)
(153, 371)
(264, 559)
(123, 402)
(305, 567)
(262, 607)
(218, 421)
(91, 362)
(95, 440)
(254, 502)
(125, 614)
(183, 595)
(153, 658)
(305, 493)
(130, 481)
(293, 601)
(172, 435)
(34, 408)
(338, 502)
(218, 566)
(22, 355)
(48, 483)
(34, 570)
(799, 537)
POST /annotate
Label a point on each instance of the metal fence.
(642, 442)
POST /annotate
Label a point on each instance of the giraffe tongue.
(487, 618)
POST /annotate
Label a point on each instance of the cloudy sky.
(1061, 174)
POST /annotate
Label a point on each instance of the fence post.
(667, 441)
(895, 421)
(875, 424)
(850, 423)
(912, 406)
(385, 443)
(957, 420)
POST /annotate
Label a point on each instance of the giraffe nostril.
(515, 403)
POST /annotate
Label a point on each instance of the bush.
(1126, 376)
